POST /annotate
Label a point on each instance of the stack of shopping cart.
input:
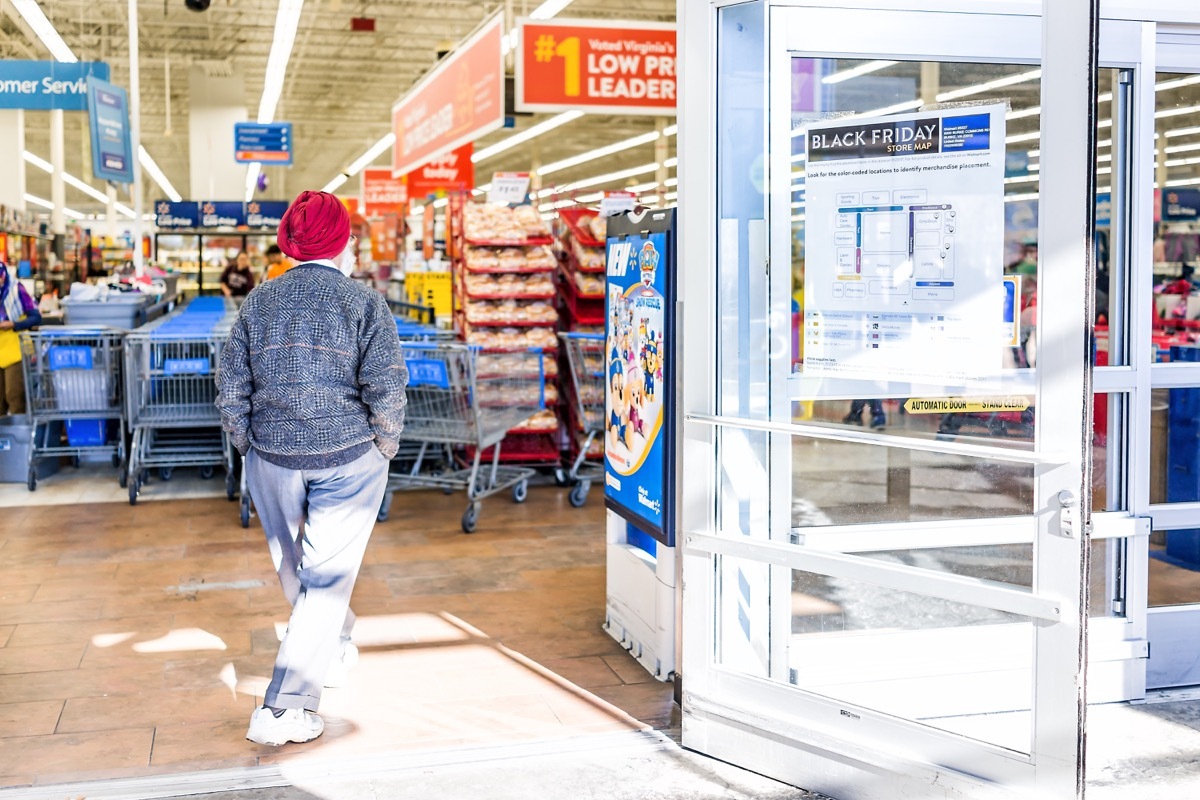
(170, 371)
(585, 355)
(73, 381)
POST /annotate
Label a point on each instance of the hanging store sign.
(459, 101)
(1181, 205)
(609, 68)
(508, 188)
(381, 193)
(48, 85)
(451, 172)
(222, 214)
(905, 220)
(263, 142)
(385, 235)
(176, 215)
(112, 146)
(265, 213)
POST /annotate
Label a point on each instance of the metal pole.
(58, 190)
(135, 124)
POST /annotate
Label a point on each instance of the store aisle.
(137, 640)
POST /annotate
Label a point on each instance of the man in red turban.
(311, 392)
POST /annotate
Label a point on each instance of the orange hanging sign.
(611, 68)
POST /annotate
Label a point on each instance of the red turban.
(315, 226)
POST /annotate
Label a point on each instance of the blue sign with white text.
(263, 142)
(176, 215)
(265, 213)
(112, 147)
(1180, 205)
(637, 347)
(222, 214)
(48, 85)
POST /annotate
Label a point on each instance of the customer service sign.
(903, 276)
(603, 67)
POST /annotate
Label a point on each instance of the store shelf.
(469, 296)
(539, 241)
(501, 271)
(572, 218)
(512, 324)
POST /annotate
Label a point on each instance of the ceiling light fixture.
(336, 183)
(549, 9)
(148, 164)
(287, 20)
(1176, 112)
(854, 72)
(525, 135)
(599, 152)
(377, 149)
(33, 14)
(999, 83)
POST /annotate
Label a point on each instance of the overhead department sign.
(48, 85)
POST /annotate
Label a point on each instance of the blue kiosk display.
(639, 441)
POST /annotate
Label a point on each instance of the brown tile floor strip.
(114, 664)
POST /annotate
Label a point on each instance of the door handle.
(1068, 518)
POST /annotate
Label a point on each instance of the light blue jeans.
(317, 524)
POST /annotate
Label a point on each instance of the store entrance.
(885, 574)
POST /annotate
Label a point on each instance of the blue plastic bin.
(86, 432)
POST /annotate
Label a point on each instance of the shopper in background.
(276, 263)
(18, 312)
(311, 390)
(238, 279)
(878, 417)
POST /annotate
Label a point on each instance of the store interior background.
(338, 91)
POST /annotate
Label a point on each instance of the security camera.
(197, 5)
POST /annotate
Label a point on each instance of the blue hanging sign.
(177, 215)
(48, 85)
(222, 214)
(263, 142)
(265, 213)
(1180, 205)
(112, 147)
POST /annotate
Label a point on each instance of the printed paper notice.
(905, 246)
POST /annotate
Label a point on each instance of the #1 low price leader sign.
(626, 68)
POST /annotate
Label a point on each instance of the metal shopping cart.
(454, 403)
(73, 380)
(170, 368)
(585, 356)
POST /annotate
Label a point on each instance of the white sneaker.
(294, 725)
(337, 675)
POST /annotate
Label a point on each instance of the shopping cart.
(73, 380)
(170, 369)
(453, 403)
(585, 356)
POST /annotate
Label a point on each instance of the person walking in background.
(18, 312)
(311, 389)
(878, 418)
(238, 279)
(276, 263)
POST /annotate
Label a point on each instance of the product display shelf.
(504, 300)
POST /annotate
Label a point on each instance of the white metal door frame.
(780, 718)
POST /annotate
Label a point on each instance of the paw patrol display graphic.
(635, 347)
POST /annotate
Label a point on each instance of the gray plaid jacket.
(313, 374)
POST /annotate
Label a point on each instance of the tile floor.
(136, 640)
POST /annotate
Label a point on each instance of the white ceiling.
(339, 90)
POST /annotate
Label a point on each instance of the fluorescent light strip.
(1182, 148)
(287, 19)
(1182, 162)
(525, 135)
(999, 83)
(124, 209)
(1023, 137)
(1022, 179)
(148, 164)
(1177, 83)
(1032, 111)
(599, 152)
(670, 130)
(1183, 132)
(33, 14)
(38, 201)
(854, 72)
(40, 163)
(549, 9)
(1182, 182)
(609, 177)
(1014, 198)
(334, 184)
(68, 178)
(375, 152)
(1175, 112)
